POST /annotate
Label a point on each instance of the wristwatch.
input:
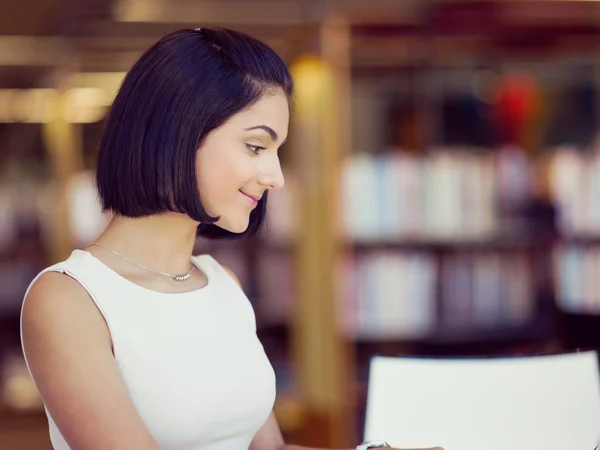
(372, 444)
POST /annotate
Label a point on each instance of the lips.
(254, 199)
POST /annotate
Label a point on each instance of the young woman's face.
(239, 161)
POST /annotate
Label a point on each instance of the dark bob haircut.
(186, 85)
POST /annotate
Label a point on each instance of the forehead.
(271, 110)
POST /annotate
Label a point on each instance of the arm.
(269, 437)
(69, 352)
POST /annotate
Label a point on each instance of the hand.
(432, 448)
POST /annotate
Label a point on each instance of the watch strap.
(372, 444)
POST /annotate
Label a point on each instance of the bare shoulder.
(68, 347)
(55, 304)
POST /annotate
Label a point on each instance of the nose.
(273, 177)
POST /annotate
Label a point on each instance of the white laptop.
(520, 403)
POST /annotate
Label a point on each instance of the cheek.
(221, 174)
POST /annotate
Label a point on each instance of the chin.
(233, 226)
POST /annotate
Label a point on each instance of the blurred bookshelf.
(457, 230)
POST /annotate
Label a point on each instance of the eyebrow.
(266, 128)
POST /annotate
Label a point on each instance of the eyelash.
(255, 148)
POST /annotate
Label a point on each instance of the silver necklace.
(174, 277)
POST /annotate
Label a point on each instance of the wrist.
(372, 444)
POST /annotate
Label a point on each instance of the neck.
(163, 242)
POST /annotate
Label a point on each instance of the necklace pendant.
(182, 277)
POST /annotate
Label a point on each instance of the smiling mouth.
(251, 198)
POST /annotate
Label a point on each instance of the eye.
(255, 148)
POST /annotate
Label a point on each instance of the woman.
(133, 342)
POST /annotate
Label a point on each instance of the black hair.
(186, 85)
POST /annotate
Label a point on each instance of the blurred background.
(442, 196)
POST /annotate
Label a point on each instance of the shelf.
(580, 331)
(452, 245)
(278, 335)
(24, 430)
(289, 412)
(426, 244)
(586, 240)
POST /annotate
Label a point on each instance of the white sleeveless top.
(192, 362)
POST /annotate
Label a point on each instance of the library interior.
(441, 171)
